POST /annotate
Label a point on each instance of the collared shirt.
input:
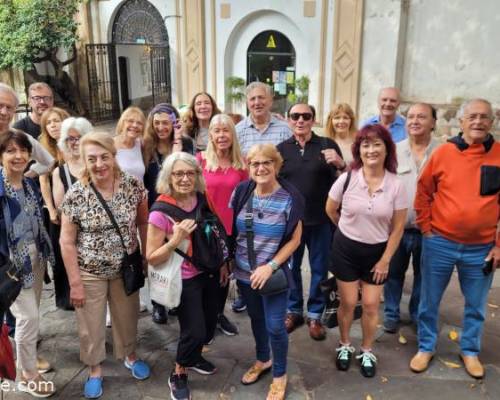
(366, 217)
(408, 172)
(307, 170)
(248, 135)
(397, 127)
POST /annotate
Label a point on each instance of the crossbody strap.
(249, 232)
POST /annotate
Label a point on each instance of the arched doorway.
(271, 59)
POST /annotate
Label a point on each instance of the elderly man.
(413, 154)
(388, 104)
(311, 164)
(260, 126)
(40, 98)
(458, 208)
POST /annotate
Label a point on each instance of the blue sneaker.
(93, 388)
(239, 305)
(140, 370)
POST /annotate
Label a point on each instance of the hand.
(332, 157)
(224, 276)
(77, 295)
(54, 216)
(182, 230)
(380, 271)
(495, 254)
(260, 276)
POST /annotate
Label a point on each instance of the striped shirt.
(270, 214)
(248, 135)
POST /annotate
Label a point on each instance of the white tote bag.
(165, 280)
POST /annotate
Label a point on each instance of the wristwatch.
(274, 265)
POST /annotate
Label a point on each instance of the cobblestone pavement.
(311, 369)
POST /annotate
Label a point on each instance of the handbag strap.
(252, 259)
(110, 215)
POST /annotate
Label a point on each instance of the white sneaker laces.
(367, 357)
(343, 352)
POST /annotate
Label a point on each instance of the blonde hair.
(212, 162)
(336, 110)
(103, 139)
(45, 139)
(163, 185)
(267, 150)
(127, 114)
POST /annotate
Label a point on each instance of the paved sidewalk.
(312, 373)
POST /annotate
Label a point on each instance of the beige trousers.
(91, 319)
(26, 311)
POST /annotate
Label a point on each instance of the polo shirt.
(366, 217)
(397, 128)
(248, 135)
(306, 169)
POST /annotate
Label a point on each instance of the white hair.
(80, 124)
(467, 103)
(163, 181)
(261, 85)
(7, 89)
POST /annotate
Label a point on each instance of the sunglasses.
(305, 116)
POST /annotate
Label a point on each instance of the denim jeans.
(318, 239)
(439, 256)
(410, 246)
(267, 317)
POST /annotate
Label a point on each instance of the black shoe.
(368, 364)
(391, 327)
(159, 314)
(344, 357)
(179, 389)
(226, 326)
(239, 305)
(204, 367)
(172, 312)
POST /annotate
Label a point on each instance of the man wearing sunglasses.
(40, 98)
(311, 164)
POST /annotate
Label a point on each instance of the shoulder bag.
(10, 285)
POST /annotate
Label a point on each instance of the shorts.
(352, 260)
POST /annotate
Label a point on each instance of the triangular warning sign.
(270, 42)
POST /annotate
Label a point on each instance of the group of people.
(364, 202)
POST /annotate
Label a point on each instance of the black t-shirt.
(28, 126)
(307, 170)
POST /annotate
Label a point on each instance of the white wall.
(139, 70)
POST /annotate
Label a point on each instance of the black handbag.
(132, 271)
(10, 285)
(278, 282)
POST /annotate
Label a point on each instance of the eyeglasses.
(305, 116)
(39, 99)
(181, 174)
(257, 164)
(473, 117)
(73, 139)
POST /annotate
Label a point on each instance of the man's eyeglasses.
(473, 117)
(257, 164)
(39, 99)
(182, 174)
(305, 116)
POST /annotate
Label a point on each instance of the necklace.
(262, 204)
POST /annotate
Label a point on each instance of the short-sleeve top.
(131, 161)
(367, 217)
(98, 244)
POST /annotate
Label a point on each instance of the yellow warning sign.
(270, 42)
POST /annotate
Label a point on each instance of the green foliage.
(235, 87)
(302, 86)
(34, 30)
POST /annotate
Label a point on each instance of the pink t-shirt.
(367, 217)
(220, 185)
(164, 223)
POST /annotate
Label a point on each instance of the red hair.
(369, 132)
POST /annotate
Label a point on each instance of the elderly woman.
(63, 177)
(181, 184)
(341, 127)
(91, 249)
(370, 227)
(223, 169)
(197, 118)
(25, 241)
(277, 210)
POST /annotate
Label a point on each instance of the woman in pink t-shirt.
(368, 232)
(223, 169)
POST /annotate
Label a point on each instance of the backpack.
(208, 240)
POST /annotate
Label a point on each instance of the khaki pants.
(91, 319)
(26, 311)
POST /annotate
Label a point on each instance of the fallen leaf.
(450, 364)
(368, 397)
(472, 385)
(402, 339)
(384, 379)
(453, 335)
(493, 305)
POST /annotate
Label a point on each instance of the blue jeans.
(267, 317)
(410, 246)
(318, 239)
(439, 256)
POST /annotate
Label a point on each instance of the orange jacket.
(448, 199)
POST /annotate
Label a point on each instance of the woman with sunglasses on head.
(276, 209)
(370, 226)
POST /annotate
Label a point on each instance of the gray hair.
(259, 85)
(7, 89)
(163, 183)
(80, 124)
(467, 103)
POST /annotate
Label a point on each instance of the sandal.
(277, 390)
(254, 374)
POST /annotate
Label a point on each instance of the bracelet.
(273, 264)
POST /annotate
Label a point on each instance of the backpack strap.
(347, 180)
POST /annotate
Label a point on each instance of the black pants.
(197, 315)
(61, 284)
